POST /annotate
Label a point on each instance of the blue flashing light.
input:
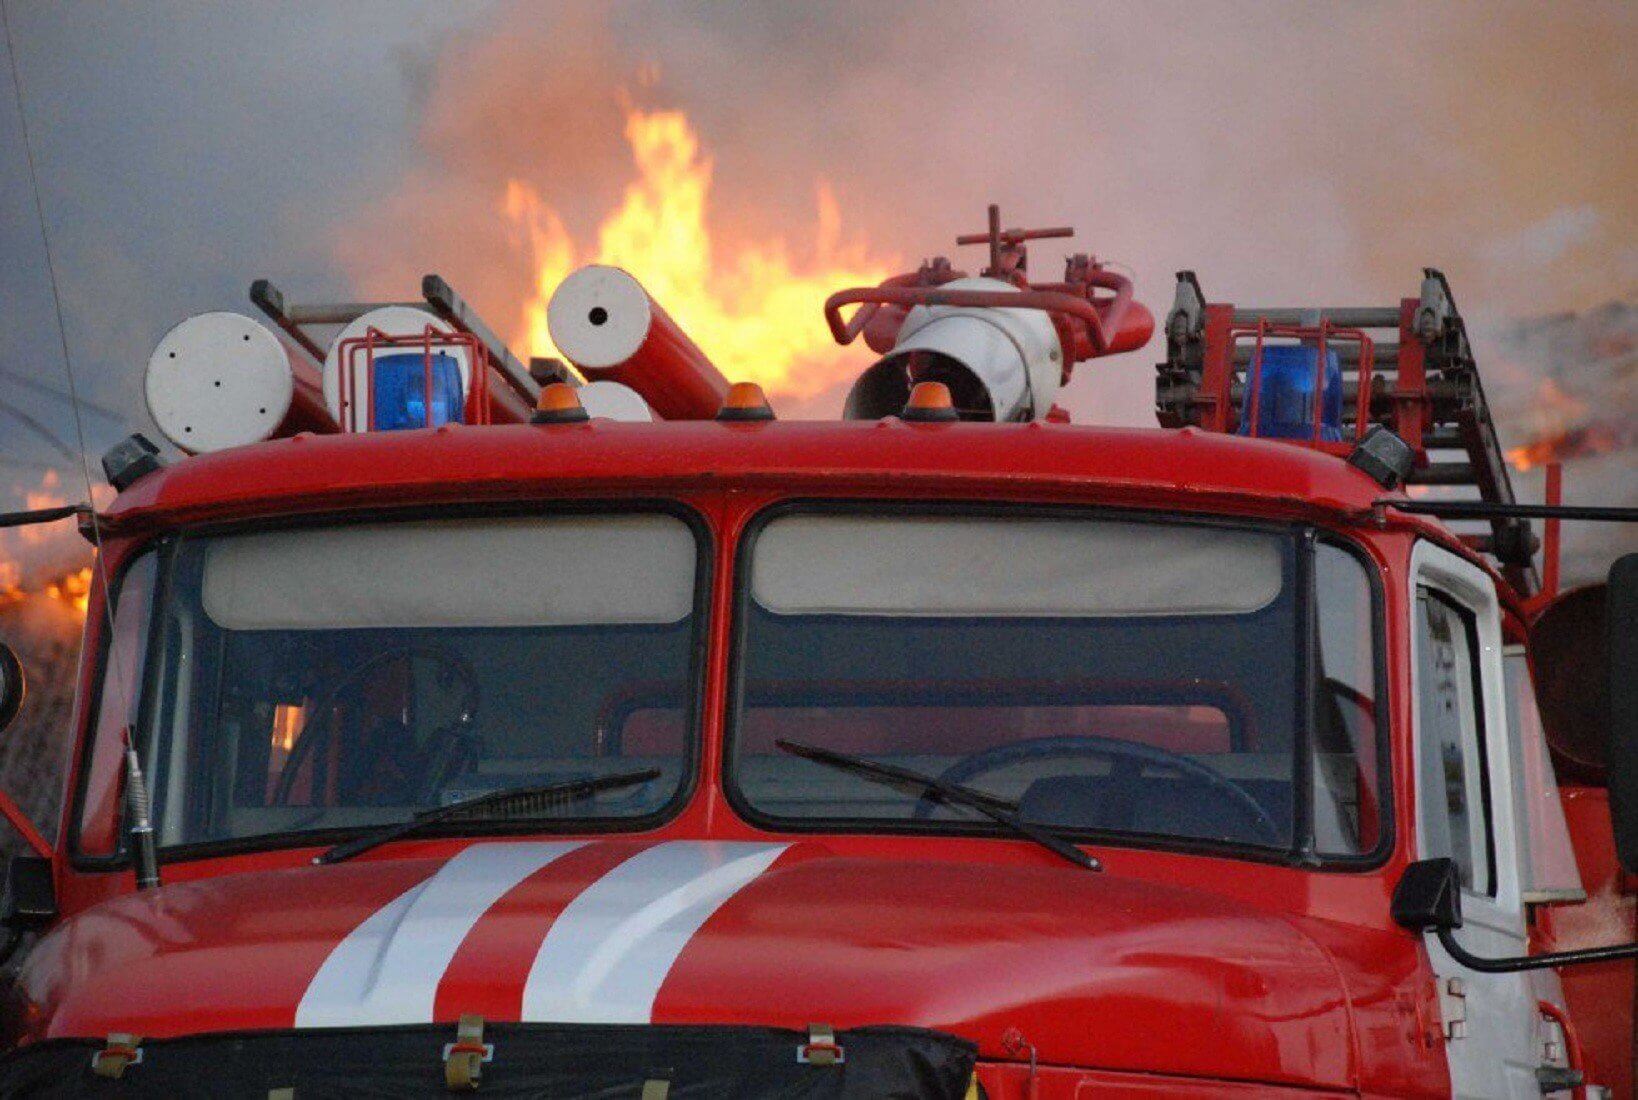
(1285, 405)
(399, 389)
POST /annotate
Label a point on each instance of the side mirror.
(12, 685)
(1622, 618)
(1428, 897)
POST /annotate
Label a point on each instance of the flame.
(1595, 438)
(48, 495)
(1564, 430)
(756, 313)
(73, 589)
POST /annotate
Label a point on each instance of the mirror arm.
(41, 515)
(1447, 937)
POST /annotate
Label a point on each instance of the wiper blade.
(573, 790)
(987, 805)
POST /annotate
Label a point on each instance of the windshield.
(1103, 676)
(345, 676)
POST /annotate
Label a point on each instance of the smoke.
(1572, 397)
(1309, 155)
(1286, 154)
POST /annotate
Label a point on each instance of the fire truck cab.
(451, 724)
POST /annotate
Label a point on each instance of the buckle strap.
(821, 1049)
(464, 1058)
(121, 1051)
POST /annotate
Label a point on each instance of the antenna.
(123, 678)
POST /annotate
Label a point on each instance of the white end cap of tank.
(392, 321)
(217, 380)
(612, 401)
(599, 316)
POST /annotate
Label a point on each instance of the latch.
(121, 1051)
(1453, 1007)
(821, 1049)
(464, 1058)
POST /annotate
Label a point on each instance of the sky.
(1290, 154)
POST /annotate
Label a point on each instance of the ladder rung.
(1347, 352)
(1444, 473)
(1346, 316)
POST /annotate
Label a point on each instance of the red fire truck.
(582, 729)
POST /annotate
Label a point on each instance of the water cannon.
(999, 364)
(1004, 346)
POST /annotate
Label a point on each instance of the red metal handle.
(1049, 301)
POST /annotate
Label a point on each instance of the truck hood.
(1090, 969)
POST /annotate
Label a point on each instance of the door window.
(1454, 786)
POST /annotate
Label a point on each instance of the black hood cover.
(530, 1060)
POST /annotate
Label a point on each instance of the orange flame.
(1563, 431)
(756, 314)
(1596, 438)
(73, 589)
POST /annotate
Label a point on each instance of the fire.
(756, 313)
(48, 495)
(73, 589)
(1593, 438)
(1564, 431)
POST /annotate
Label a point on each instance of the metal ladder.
(1424, 385)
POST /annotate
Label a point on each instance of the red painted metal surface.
(974, 937)
(1179, 469)
(1600, 997)
(309, 412)
(669, 370)
(1551, 547)
(1205, 969)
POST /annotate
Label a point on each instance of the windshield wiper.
(530, 797)
(989, 806)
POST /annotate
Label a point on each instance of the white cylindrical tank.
(604, 400)
(608, 326)
(1000, 364)
(217, 380)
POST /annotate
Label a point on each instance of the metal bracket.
(1453, 1007)
(821, 1049)
(465, 1057)
(121, 1053)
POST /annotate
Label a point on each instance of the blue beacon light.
(1284, 394)
(399, 391)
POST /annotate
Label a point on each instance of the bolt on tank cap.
(745, 402)
(930, 403)
(559, 404)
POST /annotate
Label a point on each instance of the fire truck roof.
(1185, 469)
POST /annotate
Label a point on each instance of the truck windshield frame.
(658, 805)
(1298, 845)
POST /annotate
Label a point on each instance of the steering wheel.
(1127, 760)
(446, 742)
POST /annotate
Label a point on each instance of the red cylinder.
(608, 326)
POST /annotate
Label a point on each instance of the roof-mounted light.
(930, 403)
(559, 404)
(745, 402)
